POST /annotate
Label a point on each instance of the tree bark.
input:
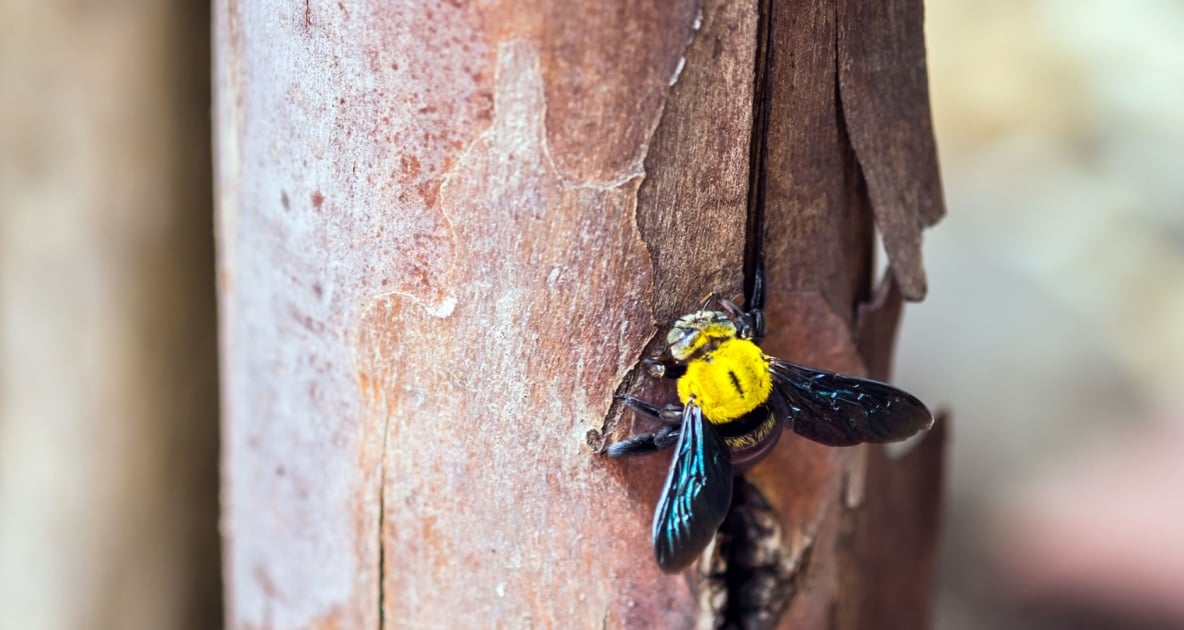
(446, 233)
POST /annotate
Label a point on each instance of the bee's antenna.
(711, 297)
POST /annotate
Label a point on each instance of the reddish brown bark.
(445, 233)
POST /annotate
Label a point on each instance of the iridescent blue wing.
(842, 410)
(697, 493)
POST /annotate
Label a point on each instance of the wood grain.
(446, 233)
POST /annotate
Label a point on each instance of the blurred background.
(108, 353)
(1053, 330)
(1054, 325)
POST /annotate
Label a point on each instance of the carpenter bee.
(735, 400)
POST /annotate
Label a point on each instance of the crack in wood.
(386, 429)
(381, 550)
(753, 569)
(758, 148)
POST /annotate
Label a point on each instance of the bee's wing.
(842, 410)
(697, 493)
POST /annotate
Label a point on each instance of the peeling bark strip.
(444, 232)
(885, 104)
(691, 206)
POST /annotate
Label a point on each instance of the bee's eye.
(682, 335)
(675, 335)
(680, 341)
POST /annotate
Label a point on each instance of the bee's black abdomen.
(750, 437)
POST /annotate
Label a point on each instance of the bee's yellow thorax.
(728, 381)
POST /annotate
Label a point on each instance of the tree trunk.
(445, 235)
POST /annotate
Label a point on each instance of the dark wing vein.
(842, 410)
(697, 493)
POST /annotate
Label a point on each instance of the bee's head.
(692, 333)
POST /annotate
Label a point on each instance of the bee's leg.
(758, 324)
(661, 367)
(669, 415)
(645, 443)
(671, 418)
(749, 321)
(754, 300)
(749, 324)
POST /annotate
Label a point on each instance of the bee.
(735, 401)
